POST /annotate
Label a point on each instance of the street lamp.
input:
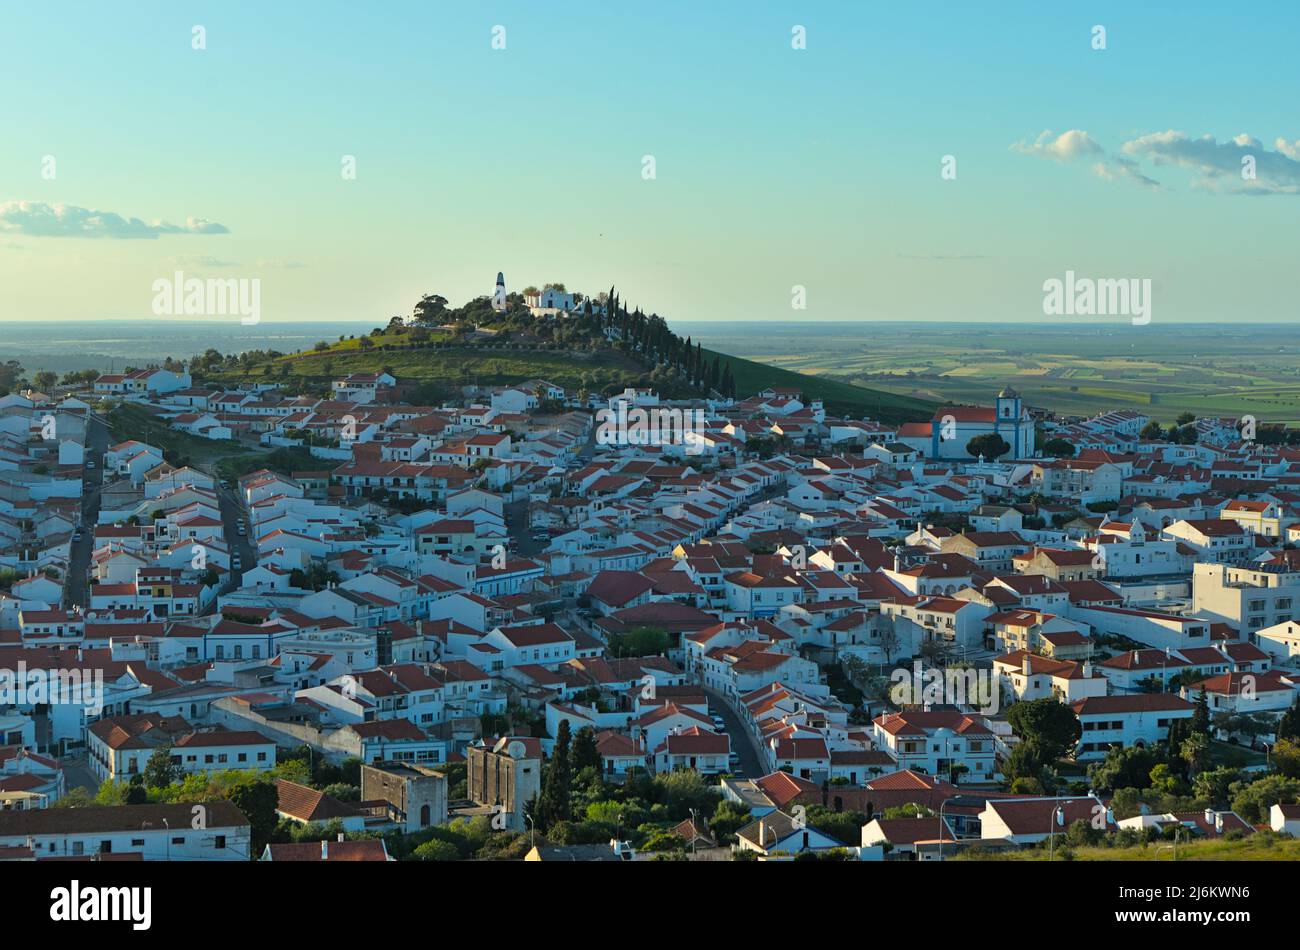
(1058, 818)
(1173, 847)
(143, 826)
(942, 805)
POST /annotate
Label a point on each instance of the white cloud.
(38, 219)
(1069, 146)
(1219, 164)
(1123, 169)
(1076, 145)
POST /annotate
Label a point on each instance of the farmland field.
(1076, 370)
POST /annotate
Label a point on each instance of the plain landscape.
(1071, 369)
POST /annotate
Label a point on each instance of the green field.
(1075, 370)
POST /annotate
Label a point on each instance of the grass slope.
(1263, 846)
(128, 421)
(458, 363)
(840, 398)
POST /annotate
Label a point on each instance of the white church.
(948, 433)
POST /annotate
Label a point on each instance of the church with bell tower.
(952, 428)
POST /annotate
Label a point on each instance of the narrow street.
(77, 774)
(231, 511)
(93, 482)
(751, 759)
(516, 512)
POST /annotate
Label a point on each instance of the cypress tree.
(554, 804)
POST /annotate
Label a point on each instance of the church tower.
(499, 295)
(1009, 426)
(1008, 405)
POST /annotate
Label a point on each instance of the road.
(79, 566)
(77, 774)
(232, 509)
(751, 762)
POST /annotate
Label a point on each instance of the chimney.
(1210, 817)
(1087, 669)
(340, 837)
(1218, 823)
(1024, 665)
(325, 849)
(1135, 656)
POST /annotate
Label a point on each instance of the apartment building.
(1247, 598)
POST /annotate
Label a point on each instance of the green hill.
(840, 398)
(444, 360)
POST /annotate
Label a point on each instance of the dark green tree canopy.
(1051, 726)
(988, 446)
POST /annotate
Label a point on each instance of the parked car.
(236, 561)
(90, 463)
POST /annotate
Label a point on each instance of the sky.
(780, 174)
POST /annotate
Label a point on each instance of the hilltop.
(599, 348)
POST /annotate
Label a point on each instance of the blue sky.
(775, 167)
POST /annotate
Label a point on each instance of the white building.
(1281, 642)
(157, 832)
(936, 741)
(1247, 598)
(1137, 720)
